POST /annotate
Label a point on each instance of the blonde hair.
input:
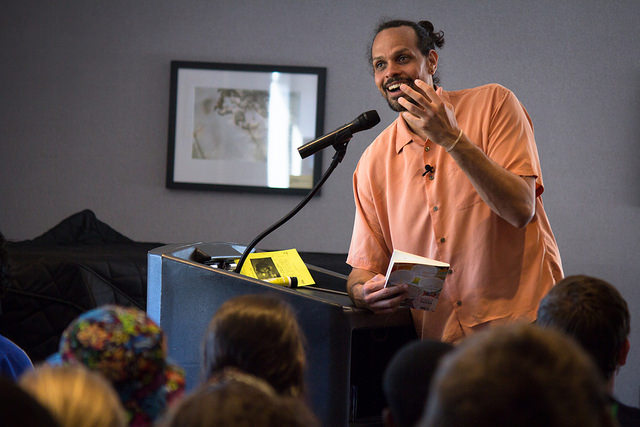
(75, 396)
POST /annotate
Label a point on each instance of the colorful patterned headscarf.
(129, 349)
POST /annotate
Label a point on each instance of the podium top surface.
(194, 254)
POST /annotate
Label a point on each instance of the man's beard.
(394, 104)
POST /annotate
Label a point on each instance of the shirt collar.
(404, 135)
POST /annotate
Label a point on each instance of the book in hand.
(424, 276)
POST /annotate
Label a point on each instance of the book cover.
(424, 276)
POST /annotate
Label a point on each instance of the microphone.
(343, 134)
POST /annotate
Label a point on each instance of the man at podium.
(456, 178)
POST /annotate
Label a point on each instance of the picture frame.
(237, 127)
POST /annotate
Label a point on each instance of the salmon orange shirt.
(499, 272)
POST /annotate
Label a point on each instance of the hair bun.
(427, 25)
(436, 37)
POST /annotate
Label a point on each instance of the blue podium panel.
(347, 348)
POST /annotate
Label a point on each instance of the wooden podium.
(347, 348)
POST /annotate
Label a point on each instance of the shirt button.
(426, 148)
(459, 303)
(442, 239)
(435, 209)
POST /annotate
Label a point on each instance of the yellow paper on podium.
(272, 265)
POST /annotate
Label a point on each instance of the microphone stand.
(341, 149)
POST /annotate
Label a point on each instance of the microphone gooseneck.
(339, 139)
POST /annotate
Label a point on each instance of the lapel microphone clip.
(428, 169)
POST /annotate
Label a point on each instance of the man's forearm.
(510, 196)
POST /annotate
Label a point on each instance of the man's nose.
(392, 70)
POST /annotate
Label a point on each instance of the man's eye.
(378, 65)
(403, 58)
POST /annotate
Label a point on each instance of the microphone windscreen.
(365, 121)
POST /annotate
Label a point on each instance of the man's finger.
(410, 107)
(388, 305)
(429, 91)
(417, 96)
(384, 294)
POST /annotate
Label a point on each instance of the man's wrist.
(357, 295)
(451, 146)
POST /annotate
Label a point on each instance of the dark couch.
(79, 264)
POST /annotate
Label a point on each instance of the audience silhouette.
(517, 375)
(407, 378)
(234, 398)
(259, 335)
(130, 350)
(595, 314)
(75, 396)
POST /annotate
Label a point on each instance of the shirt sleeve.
(512, 141)
(367, 250)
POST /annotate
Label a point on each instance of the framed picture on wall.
(237, 127)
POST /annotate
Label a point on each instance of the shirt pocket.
(461, 192)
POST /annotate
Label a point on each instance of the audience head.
(75, 396)
(406, 380)
(238, 399)
(19, 408)
(517, 375)
(594, 313)
(14, 361)
(129, 349)
(260, 335)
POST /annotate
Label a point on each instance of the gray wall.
(84, 99)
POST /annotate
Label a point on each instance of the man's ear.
(432, 59)
(624, 351)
